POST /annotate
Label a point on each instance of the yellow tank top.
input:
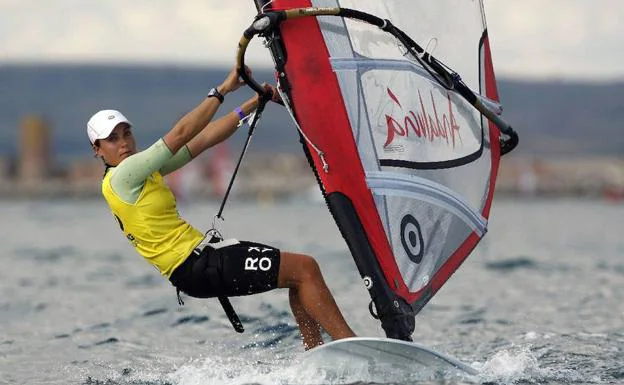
(152, 224)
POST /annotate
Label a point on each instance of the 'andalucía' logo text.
(422, 124)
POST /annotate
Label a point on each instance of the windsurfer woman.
(145, 209)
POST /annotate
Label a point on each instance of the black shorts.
(241, 269)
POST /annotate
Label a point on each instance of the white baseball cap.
(103, 122)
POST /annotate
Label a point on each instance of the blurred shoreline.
(268, 177)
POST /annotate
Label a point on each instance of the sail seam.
(366, 64)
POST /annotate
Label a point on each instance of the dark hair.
(96, 143)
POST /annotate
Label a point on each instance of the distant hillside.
(552, 118)
(153, 98)
(555, 118)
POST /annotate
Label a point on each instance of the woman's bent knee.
(310, 268)
(296, 269)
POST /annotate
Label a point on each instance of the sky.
(538, 39)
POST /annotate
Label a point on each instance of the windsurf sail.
(397, 107)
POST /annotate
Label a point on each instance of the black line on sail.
(433, 165)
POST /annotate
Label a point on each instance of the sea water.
(541, 300)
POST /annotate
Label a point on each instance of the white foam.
(519, 363)
(238, 371)
(532, 336)
(508, 366)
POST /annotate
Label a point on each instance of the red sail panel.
(420, 181)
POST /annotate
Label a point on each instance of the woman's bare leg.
(311, 300)
(309, 328)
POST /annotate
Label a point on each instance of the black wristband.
(214, 93)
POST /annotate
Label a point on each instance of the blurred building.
(4, 169)
(84, 177)
(34, 160)
(589, 176)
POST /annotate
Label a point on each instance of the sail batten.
(426, 190)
